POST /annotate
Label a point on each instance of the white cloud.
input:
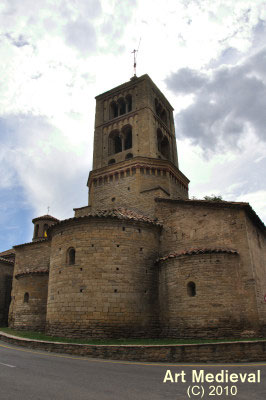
(58, 55)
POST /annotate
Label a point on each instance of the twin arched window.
(120, 107)
(120, 140)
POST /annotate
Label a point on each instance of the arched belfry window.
(160, 111)
(71, 256)
(121, 106)
(159, 139)
(45, 227)
(129, 102)
(191, 289)
(165, 148)
(113, 110)
(36, 230)
(127, 134)
(115, 143)
(26, 297)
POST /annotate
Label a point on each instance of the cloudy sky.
(208, 57)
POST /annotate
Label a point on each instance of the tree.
(213, 197)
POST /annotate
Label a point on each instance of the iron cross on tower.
(135, 58)
(135, 62)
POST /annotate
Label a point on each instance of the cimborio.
(141, 259)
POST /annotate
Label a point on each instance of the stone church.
(141, 259)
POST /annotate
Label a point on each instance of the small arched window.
(112, 161)
(71, 255)
(128, 156)
(26, 297)
(191, 289)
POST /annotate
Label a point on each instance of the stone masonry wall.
(31, 314)
(128, 187)
(31, 260)
(199, 224)
(111, 289)
(218, 308)
(6, 273)
(257, 256)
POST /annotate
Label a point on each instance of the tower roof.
(132, 82)
(45, 217)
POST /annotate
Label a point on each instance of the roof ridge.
(196, 251)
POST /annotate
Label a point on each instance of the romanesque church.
(141, 259)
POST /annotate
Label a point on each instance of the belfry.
(135, 156)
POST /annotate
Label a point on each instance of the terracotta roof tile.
(11, 262)
(196, 251)
(43, 217)
(29, 243)
(116, 213)
(27, 272)
(9, 252)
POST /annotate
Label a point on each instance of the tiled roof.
(29, 243)
(27, 272)
(45, 217)
(220, 204)
(116, 213)
(196, 251)
(9, 252)
(2, 259)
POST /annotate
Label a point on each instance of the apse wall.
(201, 295)
(102, 281)
(30, 284)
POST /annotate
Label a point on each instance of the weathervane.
(135, 58)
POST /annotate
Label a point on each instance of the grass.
(42, 336)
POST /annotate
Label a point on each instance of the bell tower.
(135, 155)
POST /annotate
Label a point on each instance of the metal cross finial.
(48, 209)
(135, 58)
(135, 63)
